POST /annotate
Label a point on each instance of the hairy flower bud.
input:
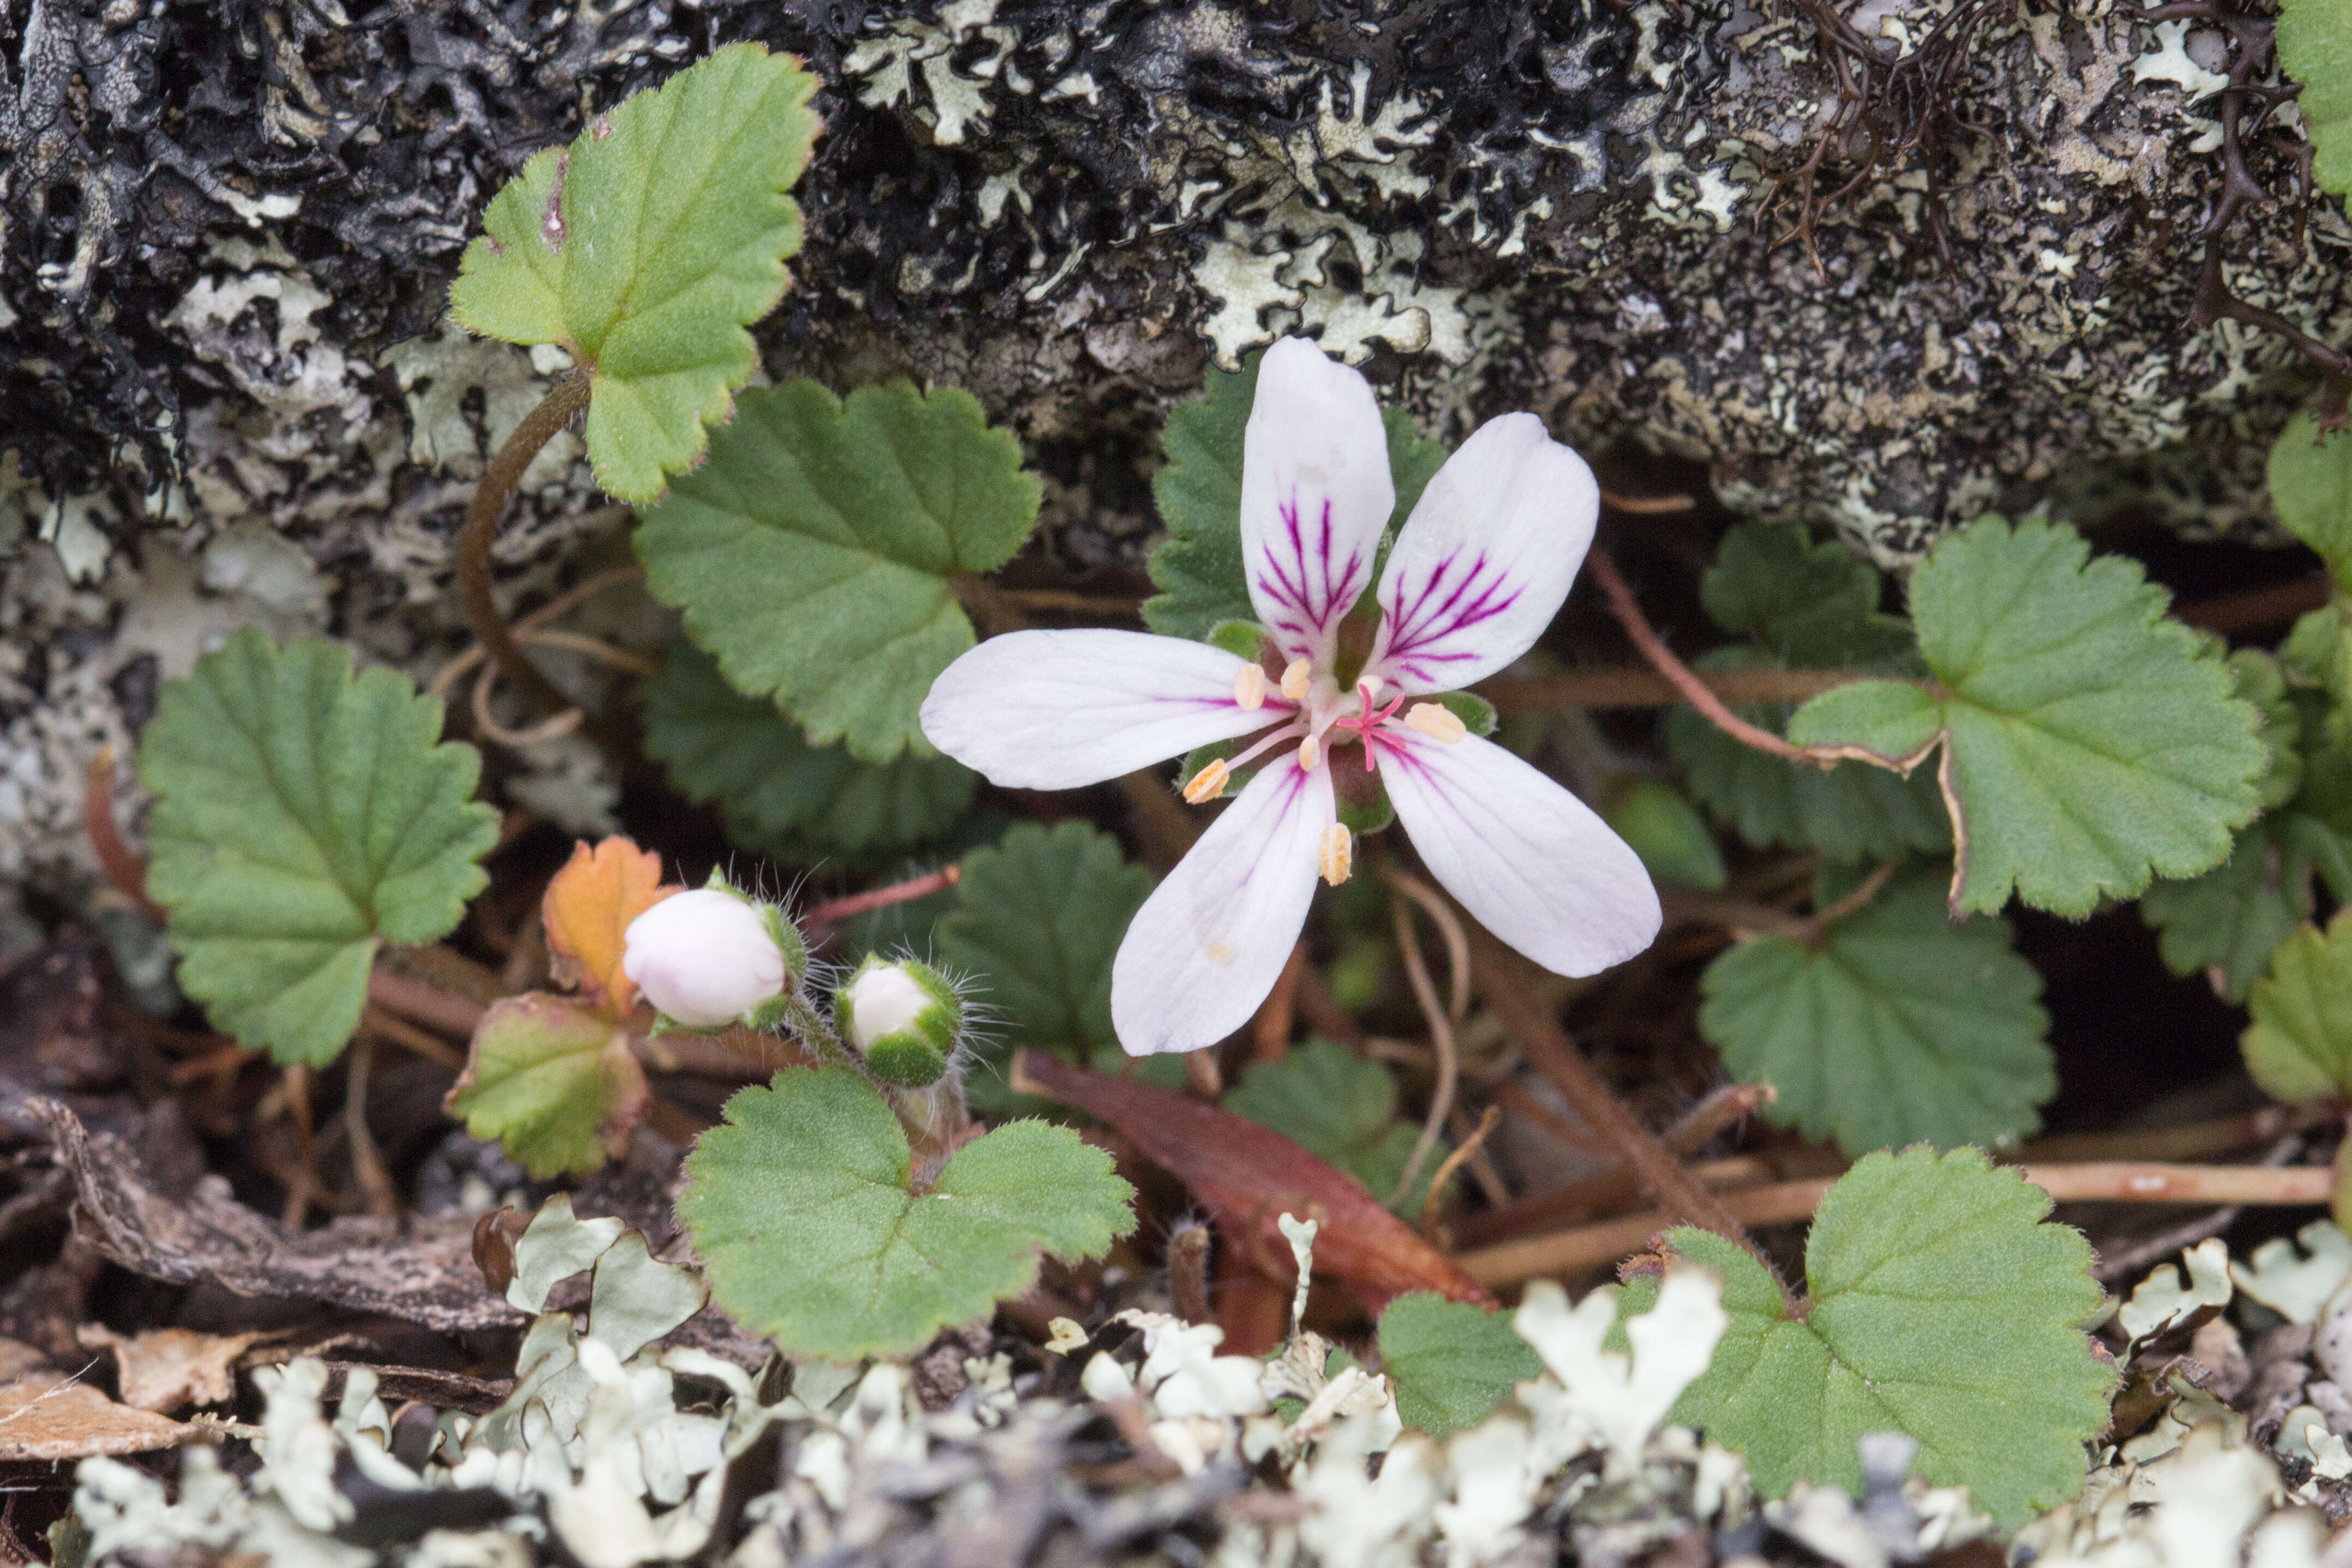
(710, 958)
(902, 1017)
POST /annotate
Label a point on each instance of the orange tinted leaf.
(588, 907)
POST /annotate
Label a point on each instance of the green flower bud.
(902, 1017)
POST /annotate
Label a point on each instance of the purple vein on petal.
(1483, 593)
(1292, 584)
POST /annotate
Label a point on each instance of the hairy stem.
(833, 911)
(567, 398)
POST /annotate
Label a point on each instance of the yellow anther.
(1436, 722)
(1311, 753)
(1209, 783)
(1339, 854)
(1295, 678)
(1249, 687)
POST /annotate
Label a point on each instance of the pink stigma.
(1368, 721)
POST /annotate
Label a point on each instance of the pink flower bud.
(705, 958)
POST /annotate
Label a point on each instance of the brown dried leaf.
(165, 1369)
(421, 1270)
(46, 1415)
(1246, 1175)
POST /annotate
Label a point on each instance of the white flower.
(1477, 572)
(705, 958)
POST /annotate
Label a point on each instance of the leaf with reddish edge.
(587, 910)
(553, 1083)
(1247, 1174)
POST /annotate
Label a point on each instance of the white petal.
(1481, 567)
(1056, 710)
(1316, 496)
(1207, 944)
(1529, 860)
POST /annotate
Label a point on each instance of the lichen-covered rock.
(229, 228)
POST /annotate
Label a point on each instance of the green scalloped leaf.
(2311, 473)
(2299, 1045)
(1666, 830)
(1805, 605)
(304, 817)
(1903, 1027)
(2090, 743)
(2229, 922)
(802, 1207)
(815, 553)
(778, 793)
(1037, 923)
(1811, 604)
(1341, 1108)
(1198, 568)
(646, 248)
(2315, 47)
(1453, 1362)
(553, 1083)
(1851, 812)
(1942, 1307)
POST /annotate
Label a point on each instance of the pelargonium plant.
(1474, 576)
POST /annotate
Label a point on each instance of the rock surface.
(226, 392)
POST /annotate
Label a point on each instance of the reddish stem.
(1653, 647)
(123, 866)
(833, 911)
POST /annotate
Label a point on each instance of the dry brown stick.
(1609, 1190)
(2198, 1141)
(1067, 599)
(1731, 1103)
(123, 865)
(1454, 1162)
(1481, 1164)
(367, 1160)
(305, 1183)
(385, 1025)
(1440, 1021)
(421, 1001)
(1200, 1072)
(567, 398)
(1270, 1030)
(1689, 906)
(1169, 828)
(1188, 1272)
(1324, 1014)
(1647, 688)
(1646, 506)
(1593, 1246)
(1589, 1095)
(1607, 1193)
